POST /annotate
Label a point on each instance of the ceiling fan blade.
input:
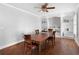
(37, 7)
(50, 7)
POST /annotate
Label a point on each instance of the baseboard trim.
(10, 44)
(76, 41)
(67, 37)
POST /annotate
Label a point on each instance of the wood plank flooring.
(62, 47)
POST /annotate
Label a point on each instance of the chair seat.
(31, 46)
(35, 43)
(50, 38)
(49, 41)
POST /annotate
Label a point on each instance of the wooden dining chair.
(54, 36)
(51, 39)
(29, 45)
(37, 31)
(50, 30)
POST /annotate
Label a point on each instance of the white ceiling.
(60, 8)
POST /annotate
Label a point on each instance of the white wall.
(13, 23)
(28, 23)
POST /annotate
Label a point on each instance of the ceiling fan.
(45, 7)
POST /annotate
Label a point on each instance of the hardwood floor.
(62, 47)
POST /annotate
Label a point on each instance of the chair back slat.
(27, 37)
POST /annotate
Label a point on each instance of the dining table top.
(40, 37)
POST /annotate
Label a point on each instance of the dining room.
(39, 29)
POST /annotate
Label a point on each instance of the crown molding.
(19, 9)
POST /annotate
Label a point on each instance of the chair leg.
(54, 40)
(52, 43)
(47, 44)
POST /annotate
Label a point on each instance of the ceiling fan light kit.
(45, 7)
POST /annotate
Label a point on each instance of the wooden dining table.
(40, 38)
